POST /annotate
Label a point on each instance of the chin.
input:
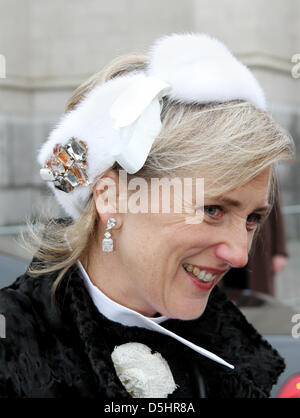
(187, 313)
(191, 316)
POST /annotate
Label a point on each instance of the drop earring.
(107, 242)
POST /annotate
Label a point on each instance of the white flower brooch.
(143, 374)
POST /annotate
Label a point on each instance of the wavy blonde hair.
(233, 142)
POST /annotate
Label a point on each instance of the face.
(158, 256)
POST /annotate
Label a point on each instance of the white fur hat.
(119, 120)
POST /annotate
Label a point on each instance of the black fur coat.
(67, 353)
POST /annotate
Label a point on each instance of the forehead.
(256, 190)
(218, 180)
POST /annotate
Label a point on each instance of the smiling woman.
(105, 282)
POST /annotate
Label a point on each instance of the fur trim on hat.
(201, 69)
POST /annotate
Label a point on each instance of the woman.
(121, 300)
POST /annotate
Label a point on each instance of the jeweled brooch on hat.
(66, 168)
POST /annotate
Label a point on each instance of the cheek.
(190, 238)
(145, 263)
(137, 245)
(250, 242)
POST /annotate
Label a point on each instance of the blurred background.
(48, 48)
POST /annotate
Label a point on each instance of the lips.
(200, 284)
(204, 278)
(210, 269)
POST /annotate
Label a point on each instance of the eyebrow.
(237, 204)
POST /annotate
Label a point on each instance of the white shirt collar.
(125, 316)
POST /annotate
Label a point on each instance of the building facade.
(48, 48)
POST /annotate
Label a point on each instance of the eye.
(213, 211)
(254, 219)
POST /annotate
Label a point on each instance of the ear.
(105, 194)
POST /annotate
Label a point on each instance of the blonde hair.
(232, 142)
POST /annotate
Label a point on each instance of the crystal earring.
(107, 242)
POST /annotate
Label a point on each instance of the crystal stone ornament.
(47, 174)
(56, 166)
(107, 245)
(66, 168)
(111, 222)
(61, 184)
(79, 173)
(107, 242)
(71, 178)
(62, 156)
(77, 150)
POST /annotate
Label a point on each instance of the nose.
(233, 249)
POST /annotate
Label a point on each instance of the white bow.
(136, 115)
